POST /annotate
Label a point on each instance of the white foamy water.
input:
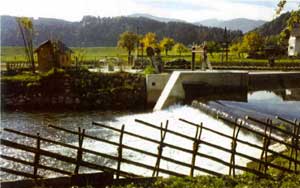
(171, 114)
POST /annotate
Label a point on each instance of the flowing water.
(37, 122)
(280, 102)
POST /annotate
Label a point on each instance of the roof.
(60, 45)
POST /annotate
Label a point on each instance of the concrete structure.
(155, 84)
(53, 54)
(174, 91)
(273, 80)
(294, 42)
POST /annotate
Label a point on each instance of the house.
(53, 53)
(294, 42)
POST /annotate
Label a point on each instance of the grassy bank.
(276, 179)
(241, 181)
(73, 89)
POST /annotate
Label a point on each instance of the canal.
(285, 102)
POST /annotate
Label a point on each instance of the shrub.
(149, 70)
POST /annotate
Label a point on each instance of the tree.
(273, 40)
(291, 22)
(212, 47)
(235, 48)
(280, 6)
(150, 40)
(253, 42)
(239, 48)
(128, 41)
(180, 48)
(294, 19)
(167, 44)
(27, 32)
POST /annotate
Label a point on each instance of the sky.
(188, 10)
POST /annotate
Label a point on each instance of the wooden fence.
(17, 66)
(261, 169)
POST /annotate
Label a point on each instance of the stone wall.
(79, 90)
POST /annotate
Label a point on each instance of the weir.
(173, 88)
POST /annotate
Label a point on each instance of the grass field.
(9, 54)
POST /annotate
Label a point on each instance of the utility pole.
(137, 43)
(226, 44)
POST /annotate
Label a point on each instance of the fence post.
(297, 144)
(233, 147)
(264, 146)
(297, 132)
(160, 148)
(37, 156)
(120, 148)
(293, 145)
(267, 145)
(195, 147)
(193, 59)
(79, 151)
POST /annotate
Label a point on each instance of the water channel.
(285, 102)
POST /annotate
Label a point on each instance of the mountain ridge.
(95, 31)
(243, 24)
(157, 18)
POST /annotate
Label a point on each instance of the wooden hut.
(53, 53)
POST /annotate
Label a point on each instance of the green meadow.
(10, 54)
(14, 54)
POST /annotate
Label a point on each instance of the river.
(34, 122)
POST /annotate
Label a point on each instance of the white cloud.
(190, 10)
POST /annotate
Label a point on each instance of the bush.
(149, 70)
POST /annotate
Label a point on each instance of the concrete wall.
(273, 80)
(221, 81)
(155, 84)
(174, 90)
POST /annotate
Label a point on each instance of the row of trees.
(251, 43)
(130, 41)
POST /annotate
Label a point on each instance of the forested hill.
(95, 31)
(275, 26)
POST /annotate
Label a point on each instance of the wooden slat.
(160, 149)
(37, 155)
(154, 155)
(196, 148)
(169, 131)
(18, 173)
(99, 180)
(174, 147)
(246, 156)
(256, 132)
(63, 158)
(212, 145)
(79, 150)
(87, 164)
(126, 147)
(32, 164)
(286, 121)
(271, 126)
(242, 141)
(120, 151)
